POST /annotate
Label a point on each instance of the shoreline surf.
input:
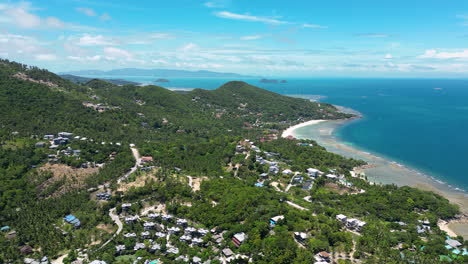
(383, 169)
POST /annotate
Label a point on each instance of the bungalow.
(264, 176)
(119, 248)
(274, 220)
(307, 185)
(130, 235)
(139, 246)
(146, 159)
(203, 232)
(452, 242)
(172, 250)
(274, 169)
(149, 225)
(98, 262)
(173, 230)
(360, 225)
(166, 217)
(131, 219)
(287, 172)
(227, 252)
(238, 239)
(182, 258)
(49, 137)
(342, 218)
(155, 247)
(65, 135)
(300, 237)
(197, 241)
(145, 234)
(126, 206)
(4, 228)
(313, 172)
(40, 144)
(71, 219)
(182, 222)
(331, 176)
(190, 230)
(297, 179)
(154, 216)
(103, 196)
(351, 223)
(259, 184)
(160, 235)
(185, 238)
(196, 260)
(325, 256)
(60, 141)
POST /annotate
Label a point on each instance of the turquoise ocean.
(421, 123)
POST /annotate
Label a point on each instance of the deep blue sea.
(421, 123)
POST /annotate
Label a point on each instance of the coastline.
(380, 170)
(290, 130)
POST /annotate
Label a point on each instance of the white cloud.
(434, 54)
(189, 47)
(374, 35)
(250, 18)
(112, 53)
(54, 22)
(217, 3)
(85, 59)
(105, 17)
(160, 61)
(87, 11)
(254, 37)
(198, 65)
(313, 26)
(91, 13)
(99, 40)
(45, 57)
(22, 17)
(388, 56)
(22, 46)
(74, 49)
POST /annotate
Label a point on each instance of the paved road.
(119, 224)
(136, 155)
(297, 206)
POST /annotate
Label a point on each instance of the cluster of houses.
(99, 107)
(161, 225)
(423, 227)
(103, 196)
(43, 260)
(71, 219)
(351, 223)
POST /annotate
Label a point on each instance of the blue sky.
(296, 38)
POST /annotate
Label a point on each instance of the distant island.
(83, 80)
(272, 81)
(162, 81)
(162, 73)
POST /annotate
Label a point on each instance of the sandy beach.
(381, 170)
(290, 131)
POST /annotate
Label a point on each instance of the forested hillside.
(120, 157)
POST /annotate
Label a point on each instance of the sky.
(296, 38)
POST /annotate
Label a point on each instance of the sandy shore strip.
(290, 131)
(444, 226)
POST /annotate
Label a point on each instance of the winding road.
(119, 224)
(136, 155)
